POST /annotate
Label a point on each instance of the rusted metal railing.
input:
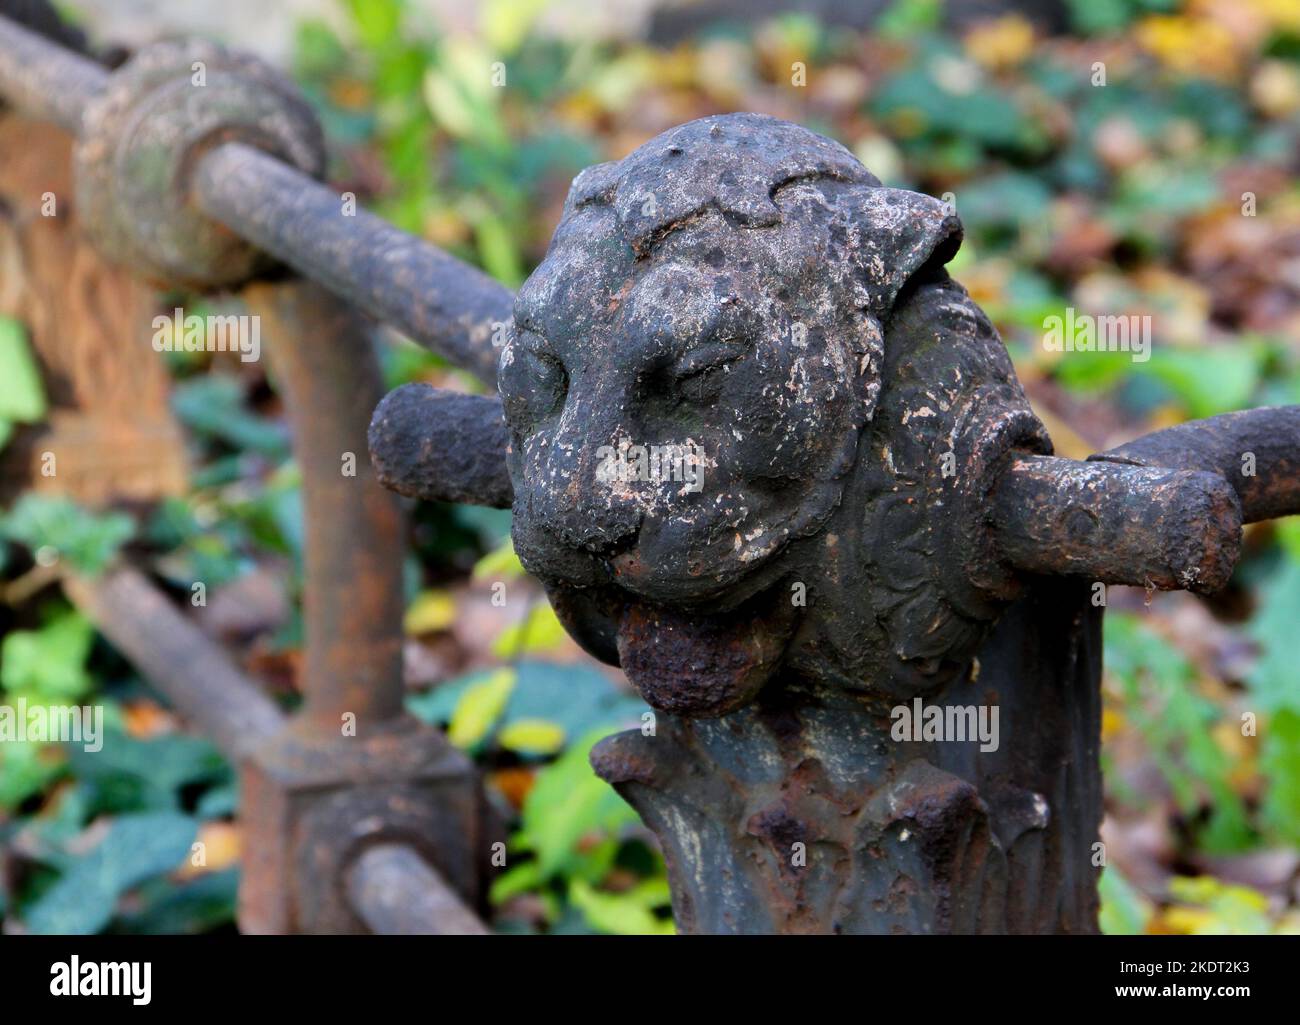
(349, 773)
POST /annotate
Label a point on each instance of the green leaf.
(622, 914)
(577, 698)
(49, 664)
(214, 405)
(377, 21)
(479, 707)
(195, 906)
(1279, 760)
(1272, 679)
(22, 396)
(26, 768)
(1208, 381)
(86, 541)
(133, 774)
(518, 879)
(135, 848)
(1124, 911)
(904, 19)
(1160, 698)
(568, 803)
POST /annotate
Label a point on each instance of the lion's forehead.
(707, 277)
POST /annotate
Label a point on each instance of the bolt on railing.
(439, 301)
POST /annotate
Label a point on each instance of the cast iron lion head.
(753, 421)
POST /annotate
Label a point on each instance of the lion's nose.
(580, 510)
(603, 533)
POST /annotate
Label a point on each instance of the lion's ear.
(894, 234)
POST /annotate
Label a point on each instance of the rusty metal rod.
(1256, 451)
(397, 892)
(1106, 521)
(429, 295)
(195, 674)
(44, 80)
(355, 531)
(442, 446)
(444, 304)
(1146, 526)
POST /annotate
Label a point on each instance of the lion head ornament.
(754, 423)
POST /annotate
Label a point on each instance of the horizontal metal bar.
(436, 299)
(44, 80)
(194, 673)
(1146, 526)
(441, 302)
(397, 892)
(442, 446)
(1257, 451)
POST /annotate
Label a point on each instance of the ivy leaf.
(480, 707)
(568, 803)
(135, 848)
(22, 396)
(49, 663)
(622, 914)
(86, 541)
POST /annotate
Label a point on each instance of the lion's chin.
(695, 664)
(701, 666)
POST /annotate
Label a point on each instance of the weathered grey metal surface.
(1150, 527)
(442, 446)
(350, 770)
(43, 79)
(439, 301)
(435, 299)
(194, 672)
(871, 490)
(924, 837)
(1257, 451)
(874, 508)
(401, 894)
(142, 136)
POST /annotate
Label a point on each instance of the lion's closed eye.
(533, 382)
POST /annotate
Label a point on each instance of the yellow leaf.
(222, 843)
(430, 612)
(1001, 43)
(540, 631)
(532, 737)
(480, 707)
(499, 564)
